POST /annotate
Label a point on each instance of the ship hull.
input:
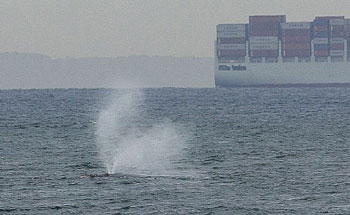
(286, 74)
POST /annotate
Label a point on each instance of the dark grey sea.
(175, 151)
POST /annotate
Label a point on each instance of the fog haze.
(77, 36)
(89, 28)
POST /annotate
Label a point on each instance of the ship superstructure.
(269, 50)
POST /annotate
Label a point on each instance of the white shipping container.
(336, 52)
(231, 34)
(263, 39)
(230, 27)
(264, 46)
(336, 22)
(296, 25)
(231, 46)
(337, 40)
(321, 40)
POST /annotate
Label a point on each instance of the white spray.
(125, 145)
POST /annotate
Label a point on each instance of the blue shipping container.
(321, 46)
(321, 34)
(321, 22)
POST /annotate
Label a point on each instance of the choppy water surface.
(190, 151)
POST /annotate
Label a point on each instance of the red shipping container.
(340, 34)
(264, 53)
(321, 53)
(296, 39)
(296, 32)
(264, 33)
(294, 46)
(231, 40)
(337, 28)
(337, 46)
(267, 18)
(231, 53)
(321, 28)
(296, 53)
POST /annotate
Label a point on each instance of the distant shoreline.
(32, 71)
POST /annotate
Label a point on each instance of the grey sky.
(89, 28)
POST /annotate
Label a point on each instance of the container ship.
(271, 51)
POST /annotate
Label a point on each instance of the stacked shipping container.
(347, 34)
(327, 34)
(321, 37)
(296, 39)
(264, 32)
(337, 35)
(231, 41)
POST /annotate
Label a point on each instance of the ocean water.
(175, 151)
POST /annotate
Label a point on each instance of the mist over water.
(127, 143)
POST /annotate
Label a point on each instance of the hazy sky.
(89, 28)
